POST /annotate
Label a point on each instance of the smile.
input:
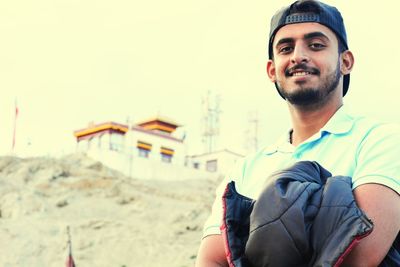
(301, 70)
(301, 73)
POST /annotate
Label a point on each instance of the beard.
(312, 96)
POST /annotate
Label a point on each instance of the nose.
(300, 54)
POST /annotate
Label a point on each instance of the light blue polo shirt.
(361, 148)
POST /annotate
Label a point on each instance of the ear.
(347, 62)
(271, 71)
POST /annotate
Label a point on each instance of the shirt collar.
(340, 123)
(282, 145)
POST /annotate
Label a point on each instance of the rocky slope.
(114, 220)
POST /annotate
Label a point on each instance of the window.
(166, 154)
(144, 149)
(166, 158)
(196, 165)
(143, 153)
(211, 165)
(116, 142)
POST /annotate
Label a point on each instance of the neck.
(307, 122)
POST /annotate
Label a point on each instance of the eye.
(285, 49)
(317, 46)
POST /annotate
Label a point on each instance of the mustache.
(302, 67)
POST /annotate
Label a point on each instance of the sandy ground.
(115, 221)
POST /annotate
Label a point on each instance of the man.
(310, 64)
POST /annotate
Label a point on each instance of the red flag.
(70, 261)
(15, 125)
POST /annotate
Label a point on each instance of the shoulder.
(369, 131)
(379, 134)
(368, 125)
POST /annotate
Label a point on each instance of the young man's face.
(306, 65)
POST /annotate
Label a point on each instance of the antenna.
(252, 131)
(211, 113)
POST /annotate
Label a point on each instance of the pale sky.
(70, 62)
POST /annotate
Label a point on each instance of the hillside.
(114, 220)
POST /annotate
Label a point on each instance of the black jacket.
(303, 217)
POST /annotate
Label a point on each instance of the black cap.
(321, 13)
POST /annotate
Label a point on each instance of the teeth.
(303, 73)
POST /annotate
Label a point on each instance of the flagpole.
(70, 260)
(15, 127)
(69, 241)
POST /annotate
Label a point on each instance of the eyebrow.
(315, 35)
(307, 36)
